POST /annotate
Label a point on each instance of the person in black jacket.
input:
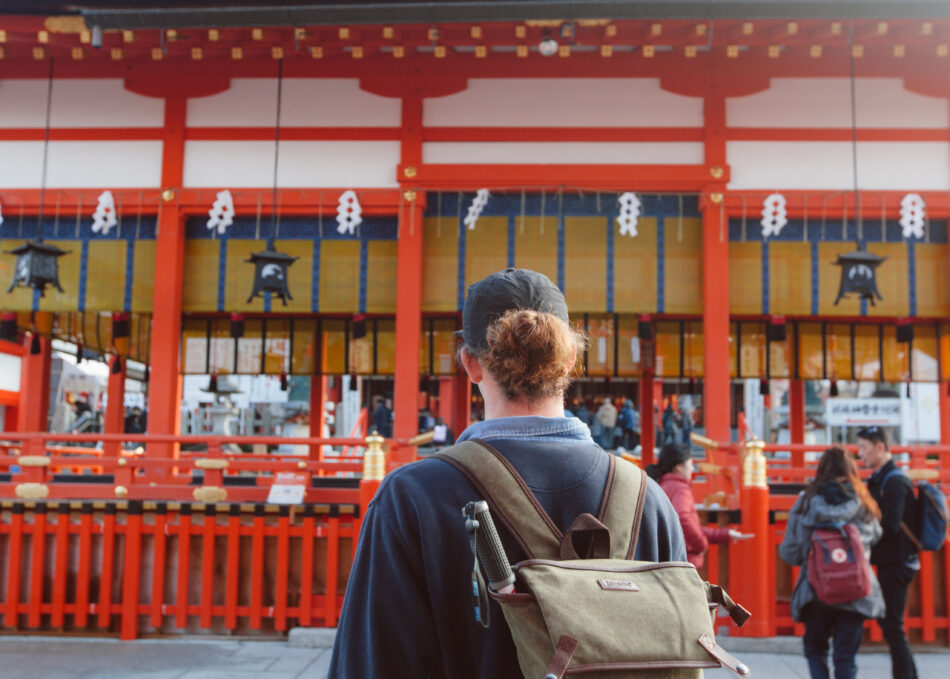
(408, 605)
(895, 555)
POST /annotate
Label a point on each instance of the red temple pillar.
(944, 413)
(115, 405)
(455, 402)
(318, 411)
(647, 418)
(408, 324)
(164, 389)
(33, 413)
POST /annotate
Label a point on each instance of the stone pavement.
(35, 657)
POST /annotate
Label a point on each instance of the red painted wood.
(647, 418)
(12, 599)
(37, 568)
(61, 567)
(796, 418)
(207, 566)
(159, 551)
(926, 583)
(257, 572)
(307, 536)
(282, 574)
(81, 616)
(291, 133)
(184, 558)
(106, 571)
(562, 134)
(82, 133)
(333, 570)
(131, 576)
(34, 388)
(115, 407)
(232, 574)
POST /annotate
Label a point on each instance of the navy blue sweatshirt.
(408, 605)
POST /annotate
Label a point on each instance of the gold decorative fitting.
(374, 459)
(388, 33)
(656, 29)
(85, 37)
(857, 51)
(168, 195)
(701, 29)
(754, 464)
(42, 36)
(300, 33)
(715, 172)
(316, 52)
(703, 441)
(544, 23)
(732, 51)
(522, 51)
(77, 53)
(257, 34)
(410, 172)
(836, 28)
(121, 491)
(943, 50)
(38, 53)
(433, 34)
(611, 31)
(606, 50)
(65, 24)
(31, 491)
(3, 36)
(157, 54)
(123, 462)
(277, 52)
(34, 461)
(690, 51)
(774, 51)
(881, 27)
(521, 31)
(899, 51)
(792, 28)
(211, 463)
(237, 53)
(196, 53)
(358, 52)
(116, 53)
(439, 52)
(564, 51)
(815, 51)
(301, 465)
(648, 51)
(715, 198)
(399, 51)
(481, 51)
(748, 28)
(344, 33)
(128, 36)
(210, 494)
(409, 196)
(926, 28)
(476, 32)
(171, 34)
(214, 35)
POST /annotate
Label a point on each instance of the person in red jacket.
(674, 472)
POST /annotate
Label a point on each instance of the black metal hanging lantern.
(37, 265)
(859, 275)
(270, 273)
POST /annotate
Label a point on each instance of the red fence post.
(132, 571)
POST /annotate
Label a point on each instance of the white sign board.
(863, 412)
(288, 489)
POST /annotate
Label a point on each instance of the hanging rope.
(49, 108)
(280, 87)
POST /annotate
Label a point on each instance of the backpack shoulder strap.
(621, 509)
(508, 496)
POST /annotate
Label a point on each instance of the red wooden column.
(115, 406)
(318, 410)
(647, 418)
(164, 391)
(796, 419)
(33, 412)
(455, 402)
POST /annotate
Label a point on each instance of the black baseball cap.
(493, 296)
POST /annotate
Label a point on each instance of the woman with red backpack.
(830, 531)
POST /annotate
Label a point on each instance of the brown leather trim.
(512, 597)
(638, 516)
(619, 569)
(524, 486)
(492, 505)
(608, 487)
(645, 665)
(562, 657)
(722, 655)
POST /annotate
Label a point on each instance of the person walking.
(895, 555)
(607, 419)
(408, 605)
(674, 472)
(836, 496)
(669, 424)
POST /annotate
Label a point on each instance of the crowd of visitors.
(615, 422)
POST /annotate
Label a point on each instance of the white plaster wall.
(77, 103)
(302, 164)
(9, 374)
(563, 102)
(826, 102)
(567, 153)
(922, 166)
(81, 164)
(305, 102)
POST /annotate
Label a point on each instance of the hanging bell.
(283, 382)
(117, 366)
(834, 388)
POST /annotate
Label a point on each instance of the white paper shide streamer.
(629, 213)
(103, 219)
(774, 215)
(349, 214)
(913, 213)
(1, 215)
(221, 214)
(476, 208)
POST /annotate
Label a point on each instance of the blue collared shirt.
(529, 428)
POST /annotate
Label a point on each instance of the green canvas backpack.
(581, 604)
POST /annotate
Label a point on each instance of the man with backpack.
(896, 554)
(408, 610)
